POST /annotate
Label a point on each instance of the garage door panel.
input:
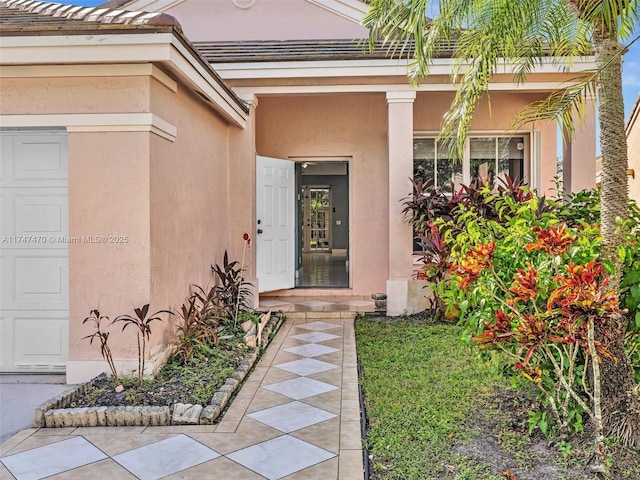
(39, 157)
(34, 160)
(41, 215)
(6, 222)
(6, 150)
(38, 279)
(34, 258)
(40, 340)
(6, 346)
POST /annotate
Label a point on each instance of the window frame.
(527, 166)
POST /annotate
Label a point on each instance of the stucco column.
(579, 154)
(242, 192)
(400, 145)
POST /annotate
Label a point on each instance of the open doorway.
(323, 224)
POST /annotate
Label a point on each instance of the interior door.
(317, 219)
(275, 239)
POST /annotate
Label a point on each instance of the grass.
(437, 411)
(421, 384)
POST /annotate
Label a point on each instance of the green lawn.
(421, 384)
(436, 411)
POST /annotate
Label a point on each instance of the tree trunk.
(621, 404)
(614, 193)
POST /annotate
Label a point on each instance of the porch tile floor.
(296, 417)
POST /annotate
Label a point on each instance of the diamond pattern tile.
(315, 337)
(165, 457)
(291, 416)
(308, 427)
(52, 459)
(299, 388)
(280, 457)
(311, 350)
(319, 326)
(306, 366)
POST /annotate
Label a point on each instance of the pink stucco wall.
(633, 148)
(74, 95)
(189, 199)
(265, 20)
(242, 197)
(108, 195)
(168, 199)
(340, 126)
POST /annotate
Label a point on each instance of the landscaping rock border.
(54, 414)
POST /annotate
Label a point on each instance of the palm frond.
(567, 105)
(490, 35)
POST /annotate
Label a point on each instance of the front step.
(320, 315)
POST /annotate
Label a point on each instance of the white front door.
(275, 239)
(34, 255)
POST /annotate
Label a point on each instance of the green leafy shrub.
(533, 285)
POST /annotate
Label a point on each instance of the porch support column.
(579, 154)
(242, 193)
(400, 144)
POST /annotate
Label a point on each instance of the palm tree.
(483, 35)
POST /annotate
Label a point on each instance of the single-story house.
(142, 139)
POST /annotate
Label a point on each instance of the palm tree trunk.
(613, 141)
(621, 405)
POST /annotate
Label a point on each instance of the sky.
(630, 74)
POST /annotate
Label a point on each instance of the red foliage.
(524, 285)
(554, 240)
(476, 260)
(580, 293)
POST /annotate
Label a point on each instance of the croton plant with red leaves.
(528, 286)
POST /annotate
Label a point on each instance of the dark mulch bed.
(194, 382)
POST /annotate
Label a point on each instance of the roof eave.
(157, 45)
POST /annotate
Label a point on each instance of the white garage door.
(34, 256)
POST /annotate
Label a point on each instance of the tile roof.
(302, 50)
(28, 16)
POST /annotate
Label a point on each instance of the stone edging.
(53, 414)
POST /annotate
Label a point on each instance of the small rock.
(186, 414)
(247, 325)
(119, 389)
(251, 341)
(209, 414)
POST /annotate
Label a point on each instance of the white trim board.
(352, 10)
(148, 48)
(95, 122)
(366, 68)
(384, 88)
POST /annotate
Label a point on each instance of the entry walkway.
(296, 417)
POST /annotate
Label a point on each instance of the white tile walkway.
(296, 418)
